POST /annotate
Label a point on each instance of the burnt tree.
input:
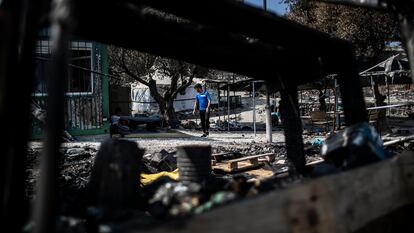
(148, 69)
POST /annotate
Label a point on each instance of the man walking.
(202, 103)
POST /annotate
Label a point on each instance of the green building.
(86, 105)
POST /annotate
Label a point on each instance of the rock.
(161, 161)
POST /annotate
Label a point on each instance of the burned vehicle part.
(353, 147)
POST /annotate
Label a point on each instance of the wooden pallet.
(219, 157)
(255, 163)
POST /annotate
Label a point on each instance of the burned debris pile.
(119, 187)
(90, 184)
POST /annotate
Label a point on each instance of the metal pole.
(335, 106)
(235, 102)
(228, 107)
(265, 5)
(373, 91)
(254, 109)
(218, 97)
(388, 93)
(268, 118)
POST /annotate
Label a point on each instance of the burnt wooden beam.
(236, 17)
(240, 18)
(19, 24)
(292, 124)
(195, 43)
(47, 199)
(11, 177)
(353, 101)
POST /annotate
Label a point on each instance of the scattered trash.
(234, 126)
(174, 198)
(318, 141)
(217, 199)
(355, 146)
(190, 125)
(148, 178)
(159, 162)
(167, 198)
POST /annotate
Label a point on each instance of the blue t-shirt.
(202, 99)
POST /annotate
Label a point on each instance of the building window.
(80, 77)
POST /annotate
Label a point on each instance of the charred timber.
(236, 17)
(195, 43)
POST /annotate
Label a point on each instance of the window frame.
(43, 48)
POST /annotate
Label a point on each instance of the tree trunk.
(167, 110)
(166, 101)
(162, 103)
(172, 118)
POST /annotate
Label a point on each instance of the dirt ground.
(154, 142)
(79, 156)
(78, 161)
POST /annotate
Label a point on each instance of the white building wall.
(142, 102)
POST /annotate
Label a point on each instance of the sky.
(272, 5)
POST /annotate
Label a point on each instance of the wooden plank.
(399, 140)
(221, 154)
(253, 159)
(246, 168)
(219, 157)
(233, 166)
(315, 162)
(213, 162)
(270, 155)
(338, 203)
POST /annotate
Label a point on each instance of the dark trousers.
(205, 120)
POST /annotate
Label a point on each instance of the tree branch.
(129, 73)
(186, 84)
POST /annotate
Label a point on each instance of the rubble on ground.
(162, 161)
(190, 125)
(168, 199)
